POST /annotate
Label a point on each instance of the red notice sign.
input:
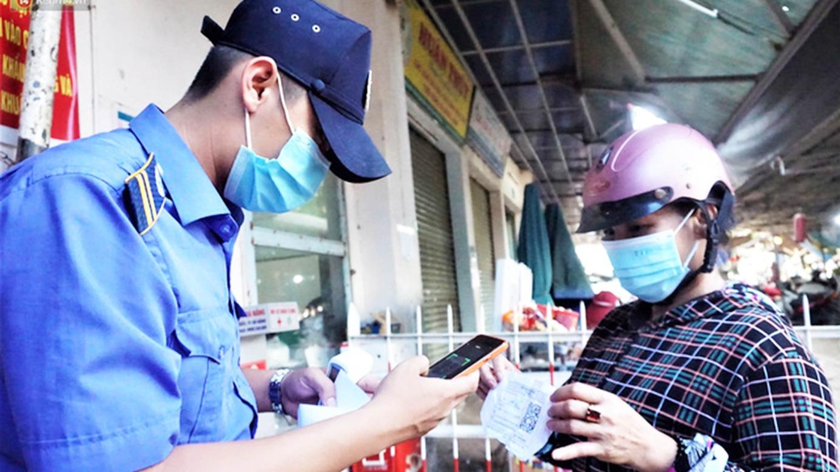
(14, 39)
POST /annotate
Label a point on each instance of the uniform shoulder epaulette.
(145, 195)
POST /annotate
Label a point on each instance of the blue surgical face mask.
(281, 184)
(650, 267)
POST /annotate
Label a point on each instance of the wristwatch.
(274, 393)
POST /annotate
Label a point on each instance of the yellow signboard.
(433, 73)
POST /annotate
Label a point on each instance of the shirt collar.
(733, 296)
(193, 194)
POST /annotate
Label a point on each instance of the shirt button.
(226, 228)
(222, 352)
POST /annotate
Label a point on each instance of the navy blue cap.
(328, 54)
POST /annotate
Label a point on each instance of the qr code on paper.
(529, 421)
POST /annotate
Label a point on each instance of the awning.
(568, 277)
(534, 250)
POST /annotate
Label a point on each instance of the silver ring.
(295, 17)
(316, 28)
(276, 10)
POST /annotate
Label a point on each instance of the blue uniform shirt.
(115, 346)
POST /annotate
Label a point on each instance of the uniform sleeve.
(84, 316)
(785, 418)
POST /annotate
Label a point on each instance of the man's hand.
(621, 436)
(306, 386)
(492, 375)
(416, 404)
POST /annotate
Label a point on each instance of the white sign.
(270, 318)
(487, 135)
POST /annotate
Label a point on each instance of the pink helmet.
(642, 171)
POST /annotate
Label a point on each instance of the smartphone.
(468, 357)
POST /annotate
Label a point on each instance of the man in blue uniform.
(119, 347)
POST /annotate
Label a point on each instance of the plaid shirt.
(727, 366)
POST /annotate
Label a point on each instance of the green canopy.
(533, 248)
(569, 279)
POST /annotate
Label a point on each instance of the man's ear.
(258, 75)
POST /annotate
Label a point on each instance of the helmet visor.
(606, 215)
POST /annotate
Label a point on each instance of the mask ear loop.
(691, 254)
(283, 103)
(248, 129)
(684, 221)
(693, 274)
(696, 243)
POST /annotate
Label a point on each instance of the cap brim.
(356, 158)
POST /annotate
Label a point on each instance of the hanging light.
(642, 118)
(706, 11)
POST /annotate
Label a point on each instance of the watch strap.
(275, 393)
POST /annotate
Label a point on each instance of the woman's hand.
(492, 375)
(620, 436)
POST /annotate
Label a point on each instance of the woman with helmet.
(698, 374)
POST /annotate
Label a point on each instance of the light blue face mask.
(650, 267)
(276, 185)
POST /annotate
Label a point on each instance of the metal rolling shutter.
(484, 249)
(434, 232)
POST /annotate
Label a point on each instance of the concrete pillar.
(39, 81)
(498, 224)
(463, 232)
(381, 219)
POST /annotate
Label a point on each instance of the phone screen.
(464, 357)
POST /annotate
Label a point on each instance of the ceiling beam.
(543, 97)
(571, 132)
(469, 2)
(619, 39)
(563, 79)
(590, 125)
(827, 129)
(520, 47)
(781, 17)
(542, 175)
(584, 103)
(612, 128)
(708, 79)
(515, 150)
(540, 110)
(814, 18)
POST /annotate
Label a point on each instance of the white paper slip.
(348, 397)
(348, 394)
(516, 414)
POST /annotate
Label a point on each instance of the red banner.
(14, 39)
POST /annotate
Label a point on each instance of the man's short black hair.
(216, 66)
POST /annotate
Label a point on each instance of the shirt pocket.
(204, 338)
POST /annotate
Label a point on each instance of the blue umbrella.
(533, 248)
(569, 279)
